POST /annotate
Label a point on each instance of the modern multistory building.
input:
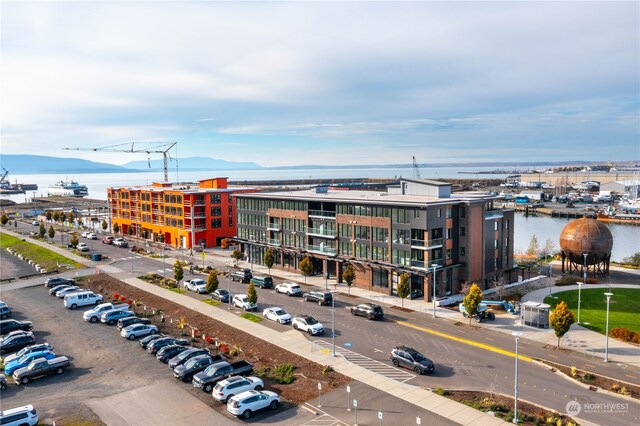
(179, 214)
(419, 227)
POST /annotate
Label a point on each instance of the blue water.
(626, 238)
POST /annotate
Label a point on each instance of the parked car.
(107, 240)
(309, 324)
(404, 356)
(73, 289)
(120, 242)
(83, 247)
(52, 282)
(25, 360)
(111, 317)
(221, 294)
(197, 284)
(320, 297)
(35, 223)
(92, 236)
(41, 367)
(187, 355)
(134, 331)
(242, 301)
(81, 298)
(262, 282)
(84, 234)
(27, 350)
(15, 341)
(243, 276)
(5, 312)
(247, 403)
(276, 314)
(19, 416)
(368, 310)
(217, 371)
(9, 325)
(158, 344)
(186, 371)
(168, 352)
(126, 322)
(235, 385)
(290, 289)
(146, 340)
(57, 288)
(3, 385)
(93, 315)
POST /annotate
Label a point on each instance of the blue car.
(25, 360)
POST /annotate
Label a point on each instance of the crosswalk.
(322, 418)
(378, 367)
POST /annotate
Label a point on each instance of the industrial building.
(419, 227)
(180, 214)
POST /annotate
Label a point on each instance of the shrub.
(235, 350)
(283, 374)
(116, 296)
(224, 348)
(122, 299)
(129, 302)
(567, 280)
(441, 391)
(210, 340)
(622, 333)
(589, 376)
(326, 370)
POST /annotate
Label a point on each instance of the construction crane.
(416, 170)
(162, 148)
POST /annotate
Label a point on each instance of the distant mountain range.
(192, 164)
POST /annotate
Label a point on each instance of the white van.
(81, 298)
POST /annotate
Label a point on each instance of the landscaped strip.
(251, 317)
(44, 257)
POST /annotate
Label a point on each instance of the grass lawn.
(211, 302)
(40, 255)
(624, 308)
(251, 317)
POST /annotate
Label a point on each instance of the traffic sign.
(348, 389)
(319, 385)
(355, 403)
(380, 415)
(348, 344)
(202, 255)
(418, 421)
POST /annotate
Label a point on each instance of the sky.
(291, 83)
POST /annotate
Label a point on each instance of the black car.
(52, 282)
(168, 352)
(144, 342)
(15, 341)
(186, 371)
(186, 356)
(368, 310)
(404, 356)
(221, 295)
(125, 322)
(3, 382)
(9, 325)
(321, 297)
(158, 344)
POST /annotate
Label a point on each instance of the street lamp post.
(606, 346)
(229, 287)
(333, 321)
(433, 296)
(164, 271)
(326, 277)
(516, 334)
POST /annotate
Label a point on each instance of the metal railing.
(322, 249)
(322, 213)
(322, 231)
(274, 242)
(435, 242)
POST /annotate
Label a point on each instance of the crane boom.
(416, 170)
(161, 148)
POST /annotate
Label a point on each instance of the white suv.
(242, 301)
(247, 403)
(290, 289)
(82, 247)
(25, 415)
(227, 388)
(309, 324)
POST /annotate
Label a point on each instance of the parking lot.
(110, 378)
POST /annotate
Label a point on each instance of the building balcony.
(273, 227)
(493, 214)
(331, 251)
(436, 242)
(322, 232)
(323, 213)
(274, 242)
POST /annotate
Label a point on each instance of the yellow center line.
(466, 341)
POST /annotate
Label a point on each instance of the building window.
(231, 222)
(463, 231)
(380, 234)
(462, 252)
(229, 198)
(344, 230)
(416, 214)
(449, 253)
(362, 251)
(462, 211)
(216, 223)
(400, 236)
(401, 257)
(345, 248)
(230, 210)
(439, 212)
(379, 253)
(362, 232)
(380, 278)
(216, 211)
(495, 244)
(449, 233)
(495, 225)
(449, 214)
(214, 199)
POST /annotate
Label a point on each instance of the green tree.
(534, 246)
(269, 259)
(403, 287)
(130, 230)
(42, 230)
(212, 282)
(63, 217)
(237, 255)
(74, 239)
(560, 320)
(116, 228)
(471, 301)
(4, 219)
(349, 276)
(49, 215)
(306, 267)
(56, 216)
(633, 260)
(252, 294)
(52, 232)
(70, 218)
(178, 272)
(105, 225)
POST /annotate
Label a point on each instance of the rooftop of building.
(203, 186)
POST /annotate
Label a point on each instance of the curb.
(308, 407)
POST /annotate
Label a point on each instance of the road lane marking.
(466, 341)
(629, 375)
(552, 356)
(589, 365)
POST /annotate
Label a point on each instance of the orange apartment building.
(179, 214)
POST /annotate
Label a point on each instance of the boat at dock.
(17, 188)
(68, 189)
(609, 214)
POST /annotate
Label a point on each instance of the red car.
(107, 240)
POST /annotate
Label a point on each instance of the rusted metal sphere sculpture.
(590, 237)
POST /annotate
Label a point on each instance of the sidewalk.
(579, 339)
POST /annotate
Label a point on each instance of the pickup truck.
(40, 367)
(208, 378)
(93, 315)
(243, 276)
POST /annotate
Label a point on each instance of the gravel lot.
(105, 367)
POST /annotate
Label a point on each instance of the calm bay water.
(626, 238)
